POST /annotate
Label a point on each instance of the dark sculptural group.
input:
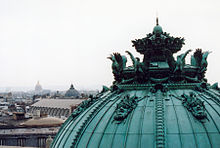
(158, 49)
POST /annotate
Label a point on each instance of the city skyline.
(59, 43)
(53, 88)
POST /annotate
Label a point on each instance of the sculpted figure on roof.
(158, 64)
(180, 63)
(194, 105)
(199, 59)
(118, 65)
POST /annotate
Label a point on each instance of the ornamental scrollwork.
(194, 105)
(125, 107)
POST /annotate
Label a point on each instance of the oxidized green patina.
(156, 102)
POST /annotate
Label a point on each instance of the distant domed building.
(157, 102)
(38, 88)
(72, 92)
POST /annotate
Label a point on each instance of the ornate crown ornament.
(158, 64)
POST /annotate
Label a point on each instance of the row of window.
(22, 142)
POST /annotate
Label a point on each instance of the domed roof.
(157, 29)
(72, 92)
(38, 87)
(154, 103)
(157, 118)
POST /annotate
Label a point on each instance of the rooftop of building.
(58, 103)
(43, 122)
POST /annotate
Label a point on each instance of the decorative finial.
(157, 23)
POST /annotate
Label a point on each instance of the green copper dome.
(72, 92)
(157, 29)
(158, 102)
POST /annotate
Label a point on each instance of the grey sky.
(59, 42)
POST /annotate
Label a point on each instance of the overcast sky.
(60, 42)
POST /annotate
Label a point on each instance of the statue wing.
(111, 57)
(205, 55)
(119, 59)
(183, 56)
(134, 61)
(124, 59)
(188, 51)
(204, 62)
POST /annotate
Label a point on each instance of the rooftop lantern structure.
(157, 102)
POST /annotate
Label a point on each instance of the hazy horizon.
(62, 42)
(47, 87)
